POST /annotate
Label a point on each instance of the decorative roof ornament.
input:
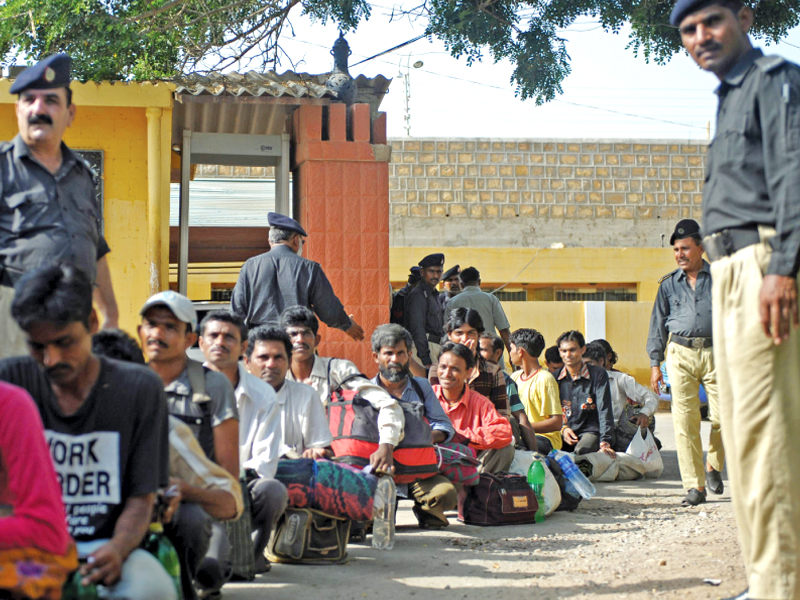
(340, 80)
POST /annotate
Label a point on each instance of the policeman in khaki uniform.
(681, 325)
(751, 220)
(423, 315)
(48, 209)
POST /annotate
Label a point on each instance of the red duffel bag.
(353, 422)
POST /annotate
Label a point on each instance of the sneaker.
(693, 498)
(714, 482)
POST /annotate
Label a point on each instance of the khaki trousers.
(12, 338)
(497, 460)
(687, 368)
(434, 496)
(759, 384)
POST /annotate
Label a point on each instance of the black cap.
(49, 73)
(284, 222)
(451, 272)
(685, 228)
(683, 8)
(414, 277)
(470, 274)
(432, 260)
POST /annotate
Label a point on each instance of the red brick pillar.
(341, 186)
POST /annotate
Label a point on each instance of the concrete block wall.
(589, 193)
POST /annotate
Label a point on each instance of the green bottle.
(75, 590)
(159, 546)
(536, 481)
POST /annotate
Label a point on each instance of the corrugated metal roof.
(297, 85)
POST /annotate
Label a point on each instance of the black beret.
(685, 228)
(284, 222)
(470, 274)
(414, 277)
(48, 73)
(432, 260)
(683, 8)
(451, 272)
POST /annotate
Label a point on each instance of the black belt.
(729, 241)
(691, 342)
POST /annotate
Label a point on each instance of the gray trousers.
(268, 498)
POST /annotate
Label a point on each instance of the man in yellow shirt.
(538, 392)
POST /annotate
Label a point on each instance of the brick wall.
(539, 192)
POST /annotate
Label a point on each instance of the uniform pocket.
(28, 209)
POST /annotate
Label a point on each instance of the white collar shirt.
(301, 422)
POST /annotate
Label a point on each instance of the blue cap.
(451, 272)
(685, 7)
(432, 260)
(284, 222)
(685, 228)
(48, 73)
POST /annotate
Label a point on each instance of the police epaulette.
(665, 277)
(768, 63)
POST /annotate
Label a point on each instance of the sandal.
(693, 498)
(714, 482)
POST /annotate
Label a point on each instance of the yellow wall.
(112, 118)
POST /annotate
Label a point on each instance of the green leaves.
(149, 39)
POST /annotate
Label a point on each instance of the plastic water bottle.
(75, 590)
(573, 474)
(158, 544)
(536, 481)
(383, 514)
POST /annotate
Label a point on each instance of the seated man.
(391, 346)
(106, 426)
(474, 417)
(328, 374)
(223, 339)
(300, 424)
(585, 400)
(538, 392)
(625, 392)
(203, 400)
(220, 493)
(464, 326)
(552, 359)
(33, 529)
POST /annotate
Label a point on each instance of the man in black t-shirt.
(106, 427)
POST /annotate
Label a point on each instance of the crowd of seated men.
(126, 420)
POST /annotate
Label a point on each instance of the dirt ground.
(632, 540)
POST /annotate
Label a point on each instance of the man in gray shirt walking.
(281, 278)
(681, 325)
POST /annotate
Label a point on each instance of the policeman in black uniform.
(280, 278)
(48, 208)
(680, 324)
(751, 220)
(451, 286)
(424, 319)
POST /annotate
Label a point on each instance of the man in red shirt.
(474, 417)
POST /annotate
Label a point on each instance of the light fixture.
(418, 64)
(176, 148)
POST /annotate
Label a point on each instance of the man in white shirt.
(625, 392)
(327, 374)
(300, 422)
(223, 340)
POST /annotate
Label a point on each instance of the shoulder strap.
(197, 381)
(665, 277)
(417, 389)
(769, 63)
(343, 381)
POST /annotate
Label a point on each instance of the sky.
(610, 93)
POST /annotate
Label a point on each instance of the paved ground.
(631, 541)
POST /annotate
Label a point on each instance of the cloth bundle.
(334, 488)
(458, 463)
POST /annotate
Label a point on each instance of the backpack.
(353, 422)
(568, 501)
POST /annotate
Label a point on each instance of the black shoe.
(262, 565)
(693, 498)
(745, 595)
(714, 482)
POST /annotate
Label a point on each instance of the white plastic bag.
(552, 493)
(644, 448)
